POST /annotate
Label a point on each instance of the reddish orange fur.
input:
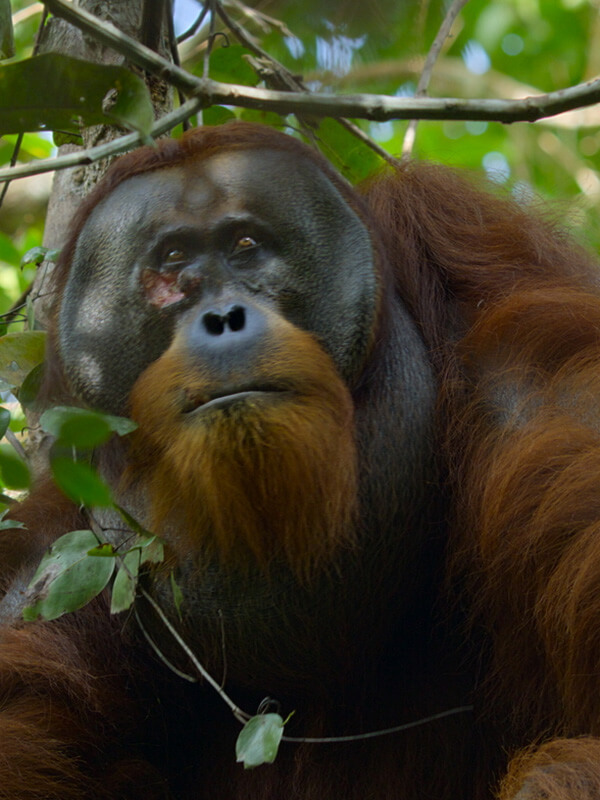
(63, 702)
(293, 499)
(529, 491)
(523, 452)
(562, 769)
(510, 309)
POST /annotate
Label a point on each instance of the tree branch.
(363, 106)
(282, 78)
(360, 106)
(113, 148)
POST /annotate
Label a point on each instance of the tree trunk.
(71, 185)
(147, 21)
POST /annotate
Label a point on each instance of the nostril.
(217, 323)
(237, 318)
(214, 324)
(227, 331)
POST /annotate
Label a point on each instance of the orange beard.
(270, 478)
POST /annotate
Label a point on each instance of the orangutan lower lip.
(230, 397)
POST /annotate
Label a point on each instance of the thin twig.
(194, 26)
(260, 19)
(237, 711)
(243, 717)
(13, 160)
(174, 51)
(16, 444)
(432, 56)
(210, 4)
(384, 732)
(250, 42)
(159, 653)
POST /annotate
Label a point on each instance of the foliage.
(74, 95)
(79, 564)
(259, 740)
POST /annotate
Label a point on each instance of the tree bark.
(147, 21)
(71, 186)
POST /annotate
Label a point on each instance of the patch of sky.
(381, 131)
(475, 57)
(406, 89)
(335, 54)
(295, 46)
(496, 166)
(184, 14)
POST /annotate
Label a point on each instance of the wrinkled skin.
(190, 220)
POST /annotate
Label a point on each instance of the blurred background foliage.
(498, 48)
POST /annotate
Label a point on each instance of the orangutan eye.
(244, 243)
(174, 256)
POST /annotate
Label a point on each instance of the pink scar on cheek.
(161, 288)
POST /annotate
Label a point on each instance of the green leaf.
(133, 107)
(259, 740)
(53, 91)
(124, 587)
(177, 594)
(80, 483)
(228, 66)
(60, 138)
(15, 473)
(67, 577)
(11, 524)
(31, 386)
(152, 550)
(217, 115)
(7, 39)
(6, 523)
(4, 420)
(83, 428)
(105, 550)
(19, 354)
(151, 545)
(38, 254)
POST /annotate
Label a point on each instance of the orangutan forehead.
(276, 181)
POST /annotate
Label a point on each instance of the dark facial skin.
(240, 224)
